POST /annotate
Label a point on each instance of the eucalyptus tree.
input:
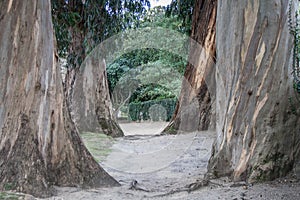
(39, 144)
(80, 26)
(254, 87)
(198, 87)
(258, 130)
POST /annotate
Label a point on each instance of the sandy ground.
(162, 167)
(143, 128)
(266, 191)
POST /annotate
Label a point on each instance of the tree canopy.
(154, 63)
(95, 20)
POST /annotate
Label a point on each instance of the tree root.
(197, 185)
(134, 185)
(189, 188)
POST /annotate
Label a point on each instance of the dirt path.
(144, 128)
(160, 163)
(159, 167)
(267, 191)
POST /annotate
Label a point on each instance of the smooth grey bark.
(258, 133)
(91, 106)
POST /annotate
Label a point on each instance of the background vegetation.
(80, 27)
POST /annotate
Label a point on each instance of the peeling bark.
(39, 144)
(196, 107)
(258, 134)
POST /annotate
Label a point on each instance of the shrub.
(155, 110)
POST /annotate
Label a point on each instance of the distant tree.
(80, 26)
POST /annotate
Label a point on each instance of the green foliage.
(151, 92)
(150, 65)
(98, 144)
(161, 73)
(158, 17)
(294, 27)
(82, 25)
(79, 26)
(183, 11)
(297, 86)
(10, 196)
(295, 31)
(154, 80)
(116, 70)
(154, 109)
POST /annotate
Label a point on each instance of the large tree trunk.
(84, 100)
(39, 145)
(258, 133)
(196, 106)
(76, 50)
(91, 104)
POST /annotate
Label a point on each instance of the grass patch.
(98, 144)
(10, 196)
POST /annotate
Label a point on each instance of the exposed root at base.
(134, 185)
(189, 188)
